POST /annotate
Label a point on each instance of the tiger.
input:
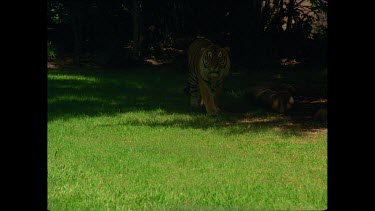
(208, 65)
(279, 101)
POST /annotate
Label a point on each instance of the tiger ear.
(227, 49)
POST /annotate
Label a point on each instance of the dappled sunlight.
(228, 125)
(312, 135)
(154, 62)
(65, 77)
(320, 100)
(75, 98)
(249, 119)
(140, 123)
(141, 98)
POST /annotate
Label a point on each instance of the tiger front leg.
(195, 97)
(208, 98)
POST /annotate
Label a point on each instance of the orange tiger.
(209, 65)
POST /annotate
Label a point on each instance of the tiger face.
(215, 65)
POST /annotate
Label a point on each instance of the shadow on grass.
(232, 124)
(89, 92)
(77, 93)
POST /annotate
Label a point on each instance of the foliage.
(57, 12)
(106, 27)
(51, 51)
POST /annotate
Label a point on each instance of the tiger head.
(214, 65)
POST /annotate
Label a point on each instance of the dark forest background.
(260, 33)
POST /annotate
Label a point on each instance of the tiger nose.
(214, 73)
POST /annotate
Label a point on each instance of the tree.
(137, 28)
(76, 20)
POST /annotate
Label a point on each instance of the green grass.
(127, 140)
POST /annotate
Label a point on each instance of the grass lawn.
(128, 140)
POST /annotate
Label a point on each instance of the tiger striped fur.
(208, 65)
(278, 100)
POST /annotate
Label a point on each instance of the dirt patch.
(52, 65)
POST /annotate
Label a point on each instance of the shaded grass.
(95, 92)
(129, 141)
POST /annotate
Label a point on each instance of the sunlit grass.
(71, 77)
(129, 141)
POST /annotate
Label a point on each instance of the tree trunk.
(265, 13)
(257, 4)
(281, 15)
(137, 31)
(290, 15)
(77, 34)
